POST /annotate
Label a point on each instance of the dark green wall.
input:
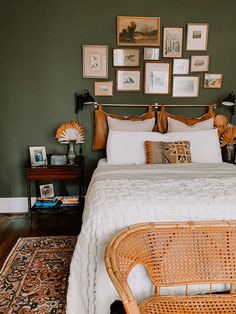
(41, 67)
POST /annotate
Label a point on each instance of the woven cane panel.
(173, 256)
(189, 305)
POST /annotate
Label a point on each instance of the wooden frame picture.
(38, 156)
(197, 37)
(200, 63)
(138, 31)
(172, 42)
(212, 80)
(95, 61)
(46, 190)
(157, 76)
(128, 80)
(185, 86)
(181, 66)
(103, 88)
(126, 57)
(150, 53)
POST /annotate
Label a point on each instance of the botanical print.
(158, 82)
(157, 77)
(172, 42)
(185, 86)
(128, 80)
(126, 57)
(212, 81)
(95, 62)
(181, 66)
(138, 31)
(199, 63)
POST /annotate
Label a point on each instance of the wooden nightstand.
(55, 173)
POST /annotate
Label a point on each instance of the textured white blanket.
(119, 196)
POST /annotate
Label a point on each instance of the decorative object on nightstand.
(70, 133)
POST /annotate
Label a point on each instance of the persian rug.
(34, 277)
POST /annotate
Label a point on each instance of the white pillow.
(178, 126)
(128, 147)
(131, 126)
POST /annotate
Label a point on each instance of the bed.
(120, 195)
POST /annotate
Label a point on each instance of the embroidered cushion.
(177, 152)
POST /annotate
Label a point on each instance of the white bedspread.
(119, 196)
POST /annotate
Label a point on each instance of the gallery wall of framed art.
(153, 59)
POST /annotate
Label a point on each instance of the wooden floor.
(16, 226)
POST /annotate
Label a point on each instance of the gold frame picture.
(103, 88)
(172, 42)
(126, 57)
(138, 31)
(95, 61)
(157, 77)
(128, 80)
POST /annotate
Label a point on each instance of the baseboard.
(14, 205)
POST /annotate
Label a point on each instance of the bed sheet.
(119, 196)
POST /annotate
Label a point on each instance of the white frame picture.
(172, 42)
(128, 80)
(95, 61)
(126, 57)
(212, 80)
(197, 37)
(200, 63)
(157, 76)
(185, 86)
(46, 190)
(103, 88)
(181, 66)
(38, 156)
(151, 53)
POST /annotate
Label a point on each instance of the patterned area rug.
(34, 278)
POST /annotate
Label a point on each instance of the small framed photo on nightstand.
(38, 156)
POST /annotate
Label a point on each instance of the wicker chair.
(176, 254)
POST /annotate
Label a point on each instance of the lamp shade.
(229, 100)
(85, 98)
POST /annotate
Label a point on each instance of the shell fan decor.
(70, 131)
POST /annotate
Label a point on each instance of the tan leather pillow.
(162, 115)
(177, 152)
(154, 152)
(101, 125)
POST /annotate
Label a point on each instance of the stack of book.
(46, 202)
(70, 200)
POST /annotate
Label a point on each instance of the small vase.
(71, 155)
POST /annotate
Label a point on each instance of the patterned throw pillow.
(177, 152)
(154, 152)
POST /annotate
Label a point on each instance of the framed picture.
(103, 88)
(126, 57)
(128, 80)
(157, 77)
(181, 66)
(46, 190)
(95, 61)
(212, 80)
(138, 31)
(38, 156)
(197, 37)
(199, 63)
(151, 53)
(185, 86)
(172, 42)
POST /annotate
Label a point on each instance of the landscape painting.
(138, 31)
(212, 81)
